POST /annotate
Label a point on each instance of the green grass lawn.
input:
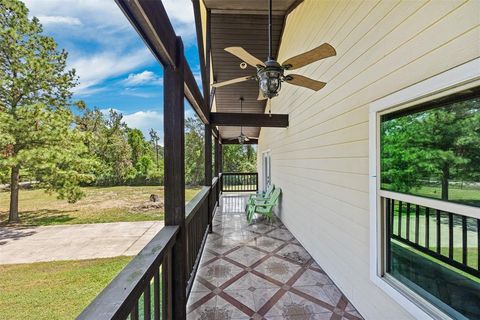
(54, 290)
(466, 196)
(108, 204)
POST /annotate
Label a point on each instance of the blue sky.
(115, 68)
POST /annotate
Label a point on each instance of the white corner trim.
(453, 80)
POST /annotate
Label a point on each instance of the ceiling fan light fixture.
(241, 139)
(270, 79)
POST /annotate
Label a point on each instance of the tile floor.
(260, 271)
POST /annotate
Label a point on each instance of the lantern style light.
(270, 79)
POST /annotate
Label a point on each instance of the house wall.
(321, 160)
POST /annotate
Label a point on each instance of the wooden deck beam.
(249, 119)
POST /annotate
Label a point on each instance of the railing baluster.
(156, 295)
(400, 219)
(408, 221)
(427, 227)
(417, 222)
(450, 235)
(478, 244)
(166, 287)
(392, 209)
(134, 313)
(464, 240)
(147, 301)
(438, 232)
(389, 227)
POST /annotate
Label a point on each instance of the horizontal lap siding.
(321, 160)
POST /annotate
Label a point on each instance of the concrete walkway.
(75, 242)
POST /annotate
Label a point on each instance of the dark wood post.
(217, 159)
(219, 163)
(208, 155)
(174, 167)
(208, 173)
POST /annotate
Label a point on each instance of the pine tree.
(36, 121)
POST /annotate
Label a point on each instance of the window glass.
(434, 152)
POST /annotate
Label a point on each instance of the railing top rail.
(238, 173)
(116, 300)
(446, 206)
(214, 181)
(195, 203)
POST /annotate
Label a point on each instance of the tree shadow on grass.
(42, 217)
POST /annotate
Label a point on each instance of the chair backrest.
(269, 190)
(274, 197)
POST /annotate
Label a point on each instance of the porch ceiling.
(241, 23)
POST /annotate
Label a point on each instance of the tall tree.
(35, 118)
(194, 151)
(440, 144)
(137, 143)
(154, 138)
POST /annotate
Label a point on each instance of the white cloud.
(97, 68)
(46, 20)
(145, 77)
(143, 120)
(181, 14)
(146, 120)
(100, 40)
(135, 92)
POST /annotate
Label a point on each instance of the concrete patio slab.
(75, 242)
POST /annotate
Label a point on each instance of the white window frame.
(449, 82)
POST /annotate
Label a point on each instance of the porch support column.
(219, 163)
(208, 173)
(217, 157)
(208, 155)
(174, 170)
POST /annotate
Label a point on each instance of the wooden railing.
(239, 182)
(143, 289)
(433, 232)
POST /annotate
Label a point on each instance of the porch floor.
(260, 271)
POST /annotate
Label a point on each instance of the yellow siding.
(321, 160)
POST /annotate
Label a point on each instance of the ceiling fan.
(270, 74)
(242, 138)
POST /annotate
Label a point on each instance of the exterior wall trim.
(459, 78)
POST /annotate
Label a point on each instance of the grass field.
(54, 290)
(470, 195)
(467, 196)
(109, 204)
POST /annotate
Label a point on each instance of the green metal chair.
(266, 208)
(261, 197)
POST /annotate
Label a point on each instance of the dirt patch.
(148, 206)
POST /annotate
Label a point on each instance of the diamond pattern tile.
(260, 271)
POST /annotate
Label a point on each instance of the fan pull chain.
(270, 108)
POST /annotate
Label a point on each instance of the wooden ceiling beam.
(235, 141)
(249, 119)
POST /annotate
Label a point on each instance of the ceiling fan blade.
(321, 52)
(261, 96)
(254, 138)
(302, 81)
(247, 139)
(232, 81)
(245, 56)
